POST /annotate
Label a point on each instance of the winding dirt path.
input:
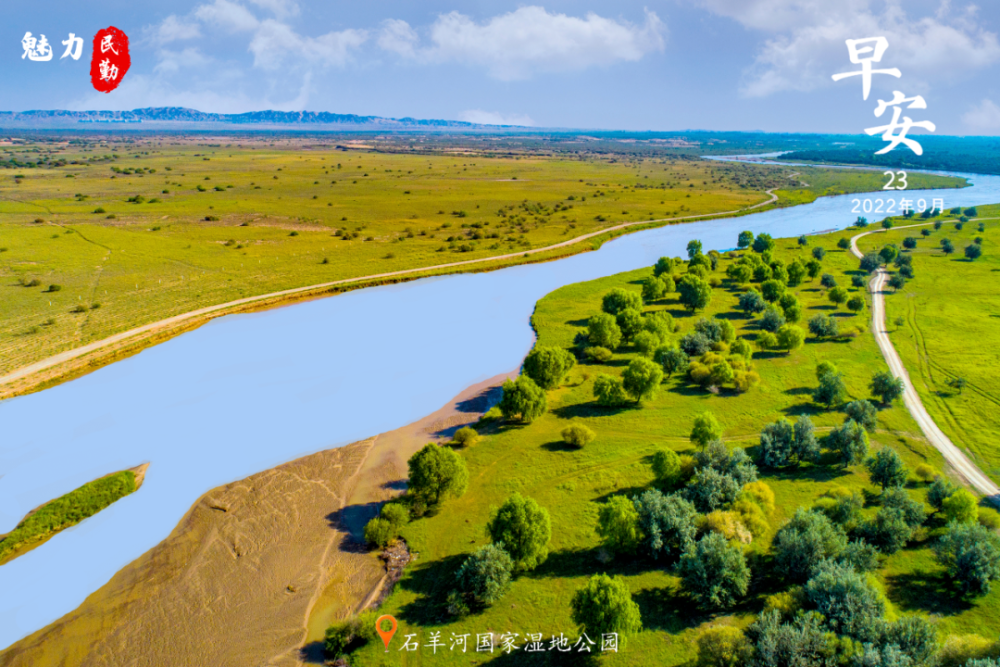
(965, 467)
(209, 312)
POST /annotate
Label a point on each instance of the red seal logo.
(110, 60)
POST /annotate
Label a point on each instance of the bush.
(723, 646)
(54, 288)
(484, 577)
(603, 331)
(961, 507)
(577, 435)
(522, 399)
(711, 490)
(609, 391)
(466, 436)
(379, 532)
(618, 525)
(705, 429)
(598, 354)
(714, 573)
(620, 299)
(958, 650)
(925, 473)
(940, 489)
(604, 605)
(396, 514)
(666, 467)
(772, 319)
(524, 528)
(435, 473)
(547, 365)
(646, 343)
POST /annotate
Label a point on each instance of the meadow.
(573, 482)
(949, 318)
(102, 234)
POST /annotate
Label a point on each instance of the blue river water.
(248, 392)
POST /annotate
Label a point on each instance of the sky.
(665, 65)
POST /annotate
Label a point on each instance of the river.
(247, 392)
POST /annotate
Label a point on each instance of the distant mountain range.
(180, 116)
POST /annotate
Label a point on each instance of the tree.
(803, 240)
(971, 555)
(824, 326)
(745, 240)
(818, 253)
(522, 399)
(886, 469)
(790, 338)
(973, 252)
(849, 603)
(695, 344)
(396, 514)
(605, 606)
(671, 359)
(739, 273)
(871, 262)
(813, 267)
(618, 525)
(435, 473)
(653, 289)
(837, 295)
(379, 532)
(723, 646)
(886, 387)
(693, 249)
(695, 293)
(714, 573)
(603, 331)
(783, 444)
(916, 638)
(843, 243)
(466, 436)
(772, 320)
(772, 290)
(856, 303)
(630, 323)
(897, 282)
(664, 265)
(791, 307)
(763, 243)
(939, 491)
(961, 507)
(828, 281)
(666, 467)
(484, 577)
(947, 247)
(610, 391)
(646, 343)
(888, 253)
(642, 379)
(711, 490)
(808, 538)
(619, 299)
(851, 440)
(742, 348)
(887, 530)
(705, 429)
(910, 242)
(577, 435)
(751, 302)
(831, 390)
(887, 224)
(864, 413)
(524, 530)
(796, 272)
(958, 383)
(547, 365)
(667, 523)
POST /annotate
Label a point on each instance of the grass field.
(950, 312)
(571, 483)
(212, 222)
(65, 512)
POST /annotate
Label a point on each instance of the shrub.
(379, 532)
(603, 331)
(940, 489)
(925, 473)
(772, 319)
(524, 528)
(598, 354)
(620, 299)
(961, 507)
(577, 435)
(646, 343)
(54, 288)
(396, 514)
(609, 391)
(666, 467)
(723, 646)
(959, 650)
(705, 429)
(466, 436)
(618, 525)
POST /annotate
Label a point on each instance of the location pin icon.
(385, 635)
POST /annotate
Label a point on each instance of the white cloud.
(810, 46)
(280, 8)
(170, 62)
(273, 43)
(173, 29)
(528, 40)
(228, 15)
(984, 117)
(494, 118)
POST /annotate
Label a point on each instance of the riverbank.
(257, 568)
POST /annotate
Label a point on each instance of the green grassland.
(210, 223)
(64, 512)
(571, 483)
(950, 310)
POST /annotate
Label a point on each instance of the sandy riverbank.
(257, 568)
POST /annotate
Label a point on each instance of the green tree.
(887, 530)
(705, 429)
(436, 473)
(695, 293)
(610, 391)
(939, 490)
(897, 282)
(831, 390)
(396, 514)
(807, 539)
(694, 249)
(630, 322)
(961, 507)
(664, 265)
(886, 469)
(465, 436)
(642, 379)
(739, 273)
(818, 253)
(864, 413)
(772, 319)
(837, 295)
(646, 343)
(653, 289)
(772, 290)
(548, 365)
(796, 272)
(871, 262)
(851, 440)
(603, 331)
(910, 242)
(522, 399)
(824, 326)
(577, 435)
(745, 240)
(947, 247)
(763, 243)
(886, 387)
(618, 525)
(667, 523)
(524, 530)
(856, 303)
(605, 606)
(714, 573)
(888, 253)
(671, 358)
(849, 603)
(379, 532)
(813, 267)
(790, 338)
(971, 555)
(973, 251)
(751, 303)
(711, 490)
(791, 307)
(484, 577)
(666, 467)
(843, 243)
(958, 383)
(619, 299)
(828, 281)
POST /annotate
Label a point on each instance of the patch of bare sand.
(257, 569)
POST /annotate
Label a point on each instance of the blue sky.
(668, 65)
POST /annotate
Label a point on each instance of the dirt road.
(966, 468)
